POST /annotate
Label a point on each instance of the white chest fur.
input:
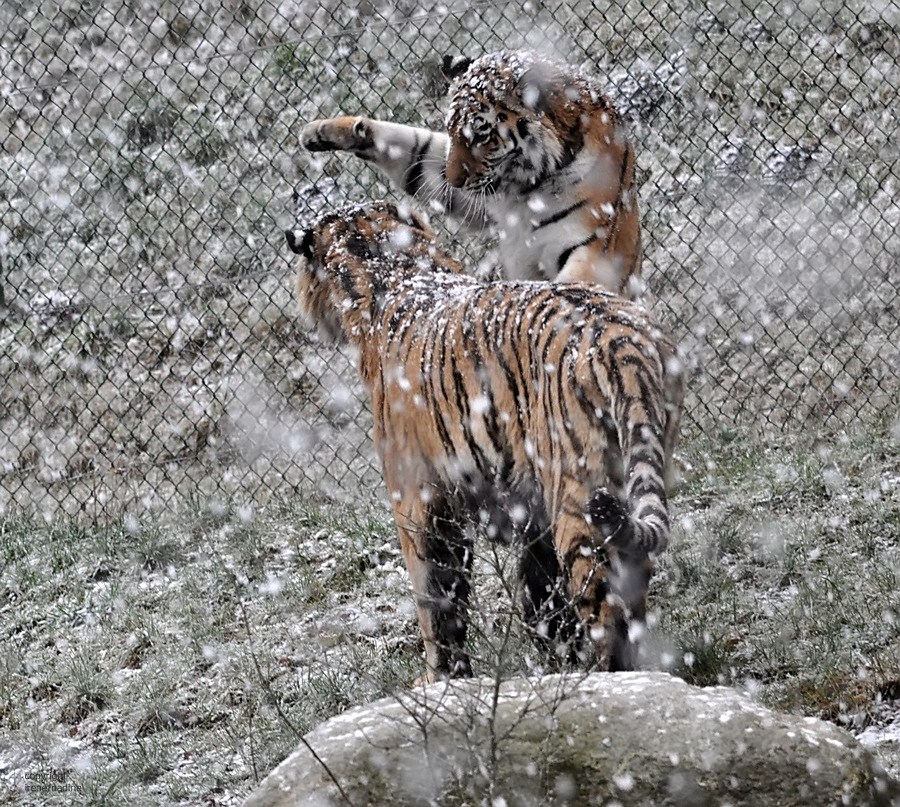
(535, 231)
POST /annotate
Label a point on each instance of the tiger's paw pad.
(609, 515)
(337, 134)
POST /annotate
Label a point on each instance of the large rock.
(604, 739)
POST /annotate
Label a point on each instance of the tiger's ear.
(301, 244)
(534, 88)
(454, 66)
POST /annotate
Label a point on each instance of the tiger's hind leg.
(592, 587)
(630, 582)
(438, 552)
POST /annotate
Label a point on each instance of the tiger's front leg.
(347, 133)
(438, 555)
(412, 157)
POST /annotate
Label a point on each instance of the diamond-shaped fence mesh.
(149, 349)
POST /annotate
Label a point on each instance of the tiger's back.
(538, 377)
(556, 402)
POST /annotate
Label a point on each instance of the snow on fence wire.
(148, 344)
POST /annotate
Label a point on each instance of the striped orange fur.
(541, 413)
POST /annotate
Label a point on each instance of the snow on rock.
(627, 738)
(882, 737)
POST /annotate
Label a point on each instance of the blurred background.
(149, 347)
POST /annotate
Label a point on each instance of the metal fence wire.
(149, 346)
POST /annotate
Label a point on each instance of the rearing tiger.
(534, 149)
(545, 413)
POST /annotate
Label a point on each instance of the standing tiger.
(542, 413)
(534, 149)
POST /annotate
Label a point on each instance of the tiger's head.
(514, 119)
(351, 256)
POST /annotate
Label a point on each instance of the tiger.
(534, 150)
(540, 413)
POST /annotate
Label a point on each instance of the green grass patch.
(179, 660)
(783, 569)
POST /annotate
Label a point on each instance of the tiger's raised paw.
(609, 515)
(338, 134)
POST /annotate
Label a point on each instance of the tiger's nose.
(456, 174)
(457, 170)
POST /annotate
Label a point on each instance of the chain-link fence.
(148, 343)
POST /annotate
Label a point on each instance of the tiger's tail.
(636, 522)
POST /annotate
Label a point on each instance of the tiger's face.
(352, 254)
(511, 121)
